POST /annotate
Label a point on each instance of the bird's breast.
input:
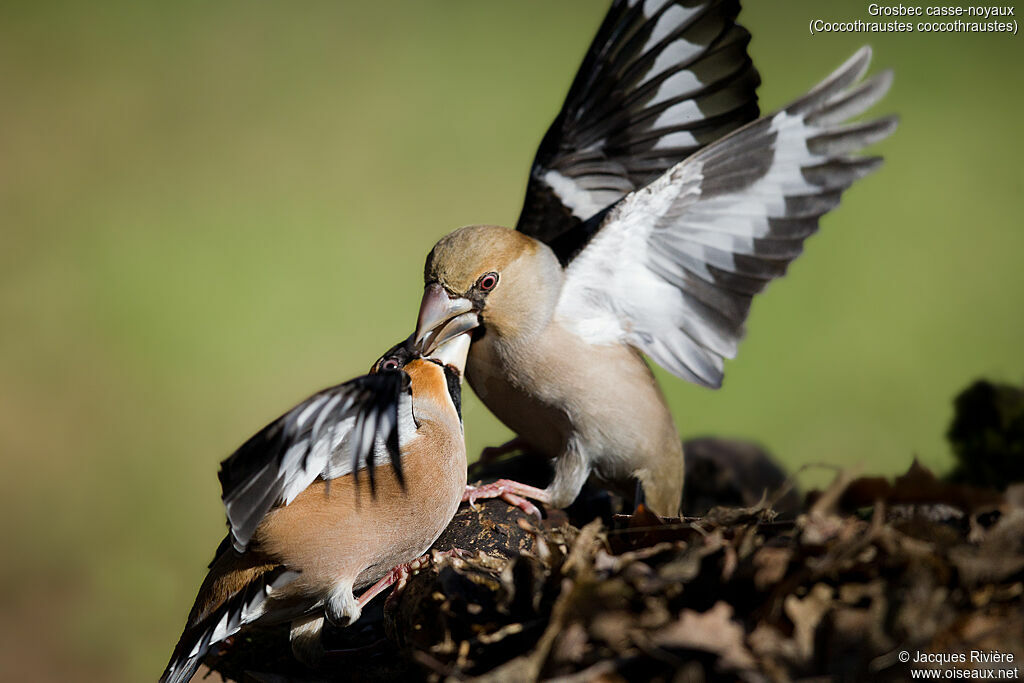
(555, 386)
(505, 378)
(339, 531)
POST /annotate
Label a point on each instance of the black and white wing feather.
(662, 79)
(344, 429)
(205, 630)
(673, 267)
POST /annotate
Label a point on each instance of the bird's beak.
(452, 353)
(442, 318)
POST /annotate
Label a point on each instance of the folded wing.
(344, 429)
(662, 79)
(673, 267)
(208, 625)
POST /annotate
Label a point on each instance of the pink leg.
(512, 492)
(400, 575)
(492, 453)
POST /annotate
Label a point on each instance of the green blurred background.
(208, 211)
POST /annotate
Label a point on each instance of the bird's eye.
(389, 364)
(488, 281)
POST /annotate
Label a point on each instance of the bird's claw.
(399, 576)
(512, 492)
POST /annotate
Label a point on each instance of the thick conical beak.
(442, 318)
(452, 353)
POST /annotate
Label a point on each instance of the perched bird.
(622, 251)
(315, 512)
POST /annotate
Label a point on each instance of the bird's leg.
(341, 607)
(492, 453)
(512, 492)
(314, 653)
(571, 472)
(572, 469)
(400, 575)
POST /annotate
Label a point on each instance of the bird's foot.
(399, 576)
(512, 492)
(492, 453)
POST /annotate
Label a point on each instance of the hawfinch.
(621, 251)
(341, 492)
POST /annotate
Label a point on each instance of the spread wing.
(673, 267)
(344, 429)
(662, 79)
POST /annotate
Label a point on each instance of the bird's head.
(489, 275)
(395, 358)
(450, 354)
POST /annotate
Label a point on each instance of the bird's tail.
(234, 593)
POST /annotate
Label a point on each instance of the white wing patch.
(340, 462)
(318, 438)
(662, 79)
(242, 608)
(684, 81)
(674, 266)
(582, 202)
(669, 21)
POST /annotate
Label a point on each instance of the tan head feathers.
(459, 258)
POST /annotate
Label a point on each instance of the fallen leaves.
(835, 589)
